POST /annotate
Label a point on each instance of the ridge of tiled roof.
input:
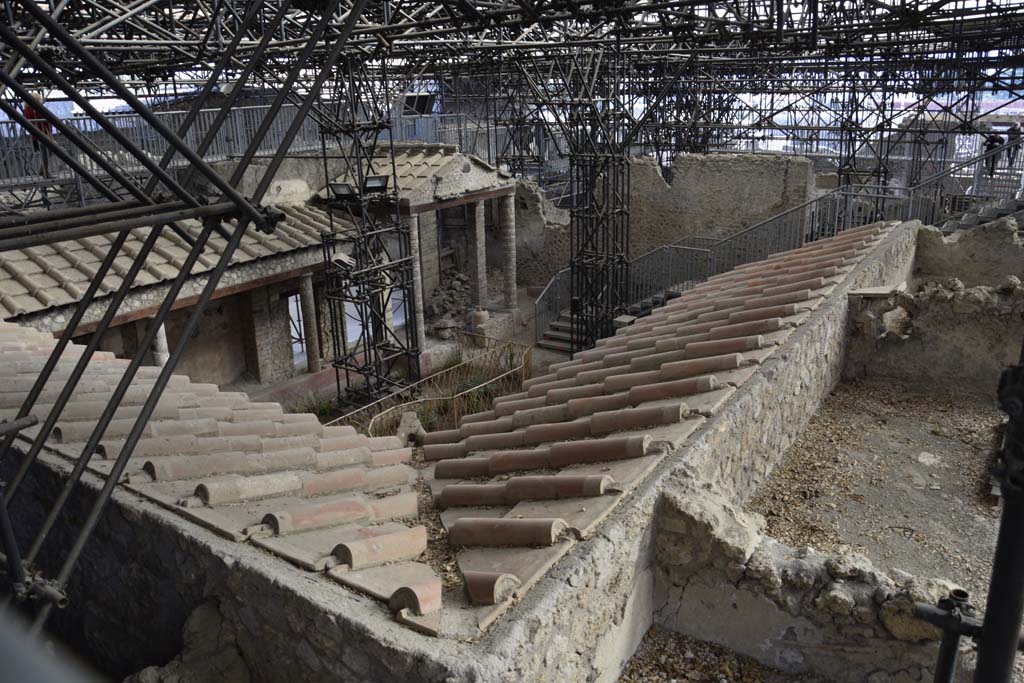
(522, 481)
(49, 276)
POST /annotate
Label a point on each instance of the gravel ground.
(899, 476)
(666, 657)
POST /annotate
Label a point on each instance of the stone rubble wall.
(542, 236)
(962, 322)
(944, 335)
(982, 255)
(794, 609)
(715, 195)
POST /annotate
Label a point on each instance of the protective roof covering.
(513, 488)
(428, 172)
(37, 278)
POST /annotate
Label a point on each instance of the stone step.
(553, 345)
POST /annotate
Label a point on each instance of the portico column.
(507, 223)
(160, 352)
(309, 331)
(478, 257)
(417, 281)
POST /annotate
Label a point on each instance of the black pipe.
(106, 214)
(115, 226)
(114, 84)
(59, 81)
(108, 414)
(72, 212)
(1005, 607)
(80, 366)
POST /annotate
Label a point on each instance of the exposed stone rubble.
(793, 609)
(944, 333)
(449, 305)
(981, 255)
(209, 653)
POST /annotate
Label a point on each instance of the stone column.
(160, 352)
(417, 282)
(478, 256)
(308, 304)
(507, 223)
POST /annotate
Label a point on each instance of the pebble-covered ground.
(666, 657)
(900, 476)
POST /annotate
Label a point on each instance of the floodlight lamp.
(343, 191)
(375, 183)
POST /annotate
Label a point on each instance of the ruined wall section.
(944, 335)
(982, 255)
(590, 610)
(794, 609)
(542, 236)
(714, 195)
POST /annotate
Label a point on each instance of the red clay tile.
(525, 418)
(489, 588)
(462, 468)
(405, 544)
(515, 461)
(623, 382)
(441, 451)
(440, 436)
(720, 347)
(567, 394)
(558, 431)
(471, 495)
(598, 450)
(554, 487)
(399, 455)
(675, 389)
(747, 329)
(578, 407)
(484, 442)
(636, 418)
(780, 299)
(478, 417)
(505, 532)
(810, 284)
(420, 599)
(509, 407)
(698, 366)
(763, 313)
(318, 515)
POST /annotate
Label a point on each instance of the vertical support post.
(507, 223)
(308, 304)
(159, 348)
(478, 256)
(417, 279)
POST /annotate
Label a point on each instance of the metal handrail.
(497, 347)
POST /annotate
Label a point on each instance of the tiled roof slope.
(324, 498)
(520, 483)
(419, 166)
(37, 278)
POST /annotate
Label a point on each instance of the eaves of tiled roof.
(39, 278)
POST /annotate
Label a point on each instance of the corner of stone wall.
(798, 610)
(980, 255)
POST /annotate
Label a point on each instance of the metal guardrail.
(930, 201)
(552, 300)
(494, 366)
